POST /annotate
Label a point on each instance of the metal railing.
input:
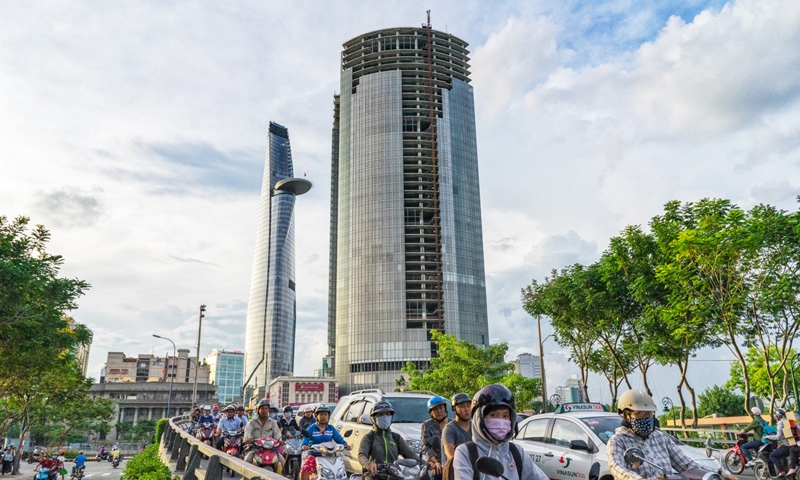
(199, 461)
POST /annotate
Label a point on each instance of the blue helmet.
(434, 402)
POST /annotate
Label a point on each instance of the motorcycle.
(330, 465)
(33, 458)
(401, 469)
(233, 442)
(635, 456)
(293, 454)
(763, 468)
(206, 433)
(44, 473)
(735, 460)
(268, 453)
(77, 473)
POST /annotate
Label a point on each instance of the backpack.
(448, 472)
(768, 430)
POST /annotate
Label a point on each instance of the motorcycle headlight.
(415, 445)
(341, 473)
(327, 472)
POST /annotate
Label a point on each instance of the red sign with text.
(309, 387)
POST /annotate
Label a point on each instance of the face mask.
(271, 415)
(384, 422)
(498, 428)
(643, 426)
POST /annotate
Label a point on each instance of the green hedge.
(146, 466)
(161, 425)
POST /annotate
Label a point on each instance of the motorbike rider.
(100, 454)
(319, 432)
(638, 430)
(432, 428)
(241, 416)
(494, 422)
(757, 427)
(216, 413)
(307, 418)
(80, 461)
(460, 430)
(206, 417)
(261, 426)
(381, 445)
(52, 463)
(227, 423)
(777, 455)
(287, 420)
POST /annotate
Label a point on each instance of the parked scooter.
(293, 453)
(268, 453)
(330, 465)
(401, 469)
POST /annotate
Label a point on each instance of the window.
(354, 412)
(534, 430)
(565, 431)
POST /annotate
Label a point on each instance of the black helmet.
(459, 398)
(322, 408)
(381, 407)
(240, 408)
(491, 398)
(287, 408)
(273, 408)
(780, 412)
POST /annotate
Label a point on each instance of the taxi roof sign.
(580, 407)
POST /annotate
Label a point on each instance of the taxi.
(566, 444)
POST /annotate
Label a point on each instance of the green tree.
(38, 340)
(460, 367)
(720, 400)
(524, 389)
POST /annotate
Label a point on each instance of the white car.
(566, 443)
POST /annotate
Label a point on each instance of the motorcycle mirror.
(305, 433)
(633, 456)
(406, 462)
(490, 466)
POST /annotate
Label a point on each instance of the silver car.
(565, 444)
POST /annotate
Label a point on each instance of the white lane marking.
(105, 474)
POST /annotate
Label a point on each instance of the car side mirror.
(633, 457)
(594, 472)
(365, 419)
(580, 445)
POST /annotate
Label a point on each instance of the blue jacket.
(318, 436)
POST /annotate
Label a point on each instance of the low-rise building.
(301, 390)
(141, 385)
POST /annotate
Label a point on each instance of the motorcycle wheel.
(761, 471)
(30, 460)
(733, 462)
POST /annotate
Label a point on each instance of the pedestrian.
(7, 457)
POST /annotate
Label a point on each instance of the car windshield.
(409, 409)
(603, 427)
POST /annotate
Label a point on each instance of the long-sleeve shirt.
(256, 429)
(321, 436)
(778, 437)
(658, 448)
(430, 430)
(383, 446)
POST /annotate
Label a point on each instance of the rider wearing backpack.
(494, 422)
(381, 444)
(757, 427)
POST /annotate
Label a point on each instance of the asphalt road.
(94, 471)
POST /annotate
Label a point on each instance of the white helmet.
(755, 411)
(636, 400)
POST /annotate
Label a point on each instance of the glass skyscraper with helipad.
(406, 237)
(271, 311)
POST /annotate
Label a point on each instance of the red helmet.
(216, 407)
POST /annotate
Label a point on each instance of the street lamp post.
(197, 360)
(541, 363)
(667, 402)
(171, 375)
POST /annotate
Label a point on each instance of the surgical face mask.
(384, 422)
(643, 426)
(288, 414)
(272, 415)
(498, 427)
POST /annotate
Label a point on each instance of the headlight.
(341, 474)
(327, 472)
(415, 445)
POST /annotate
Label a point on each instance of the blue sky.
(136, 132)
